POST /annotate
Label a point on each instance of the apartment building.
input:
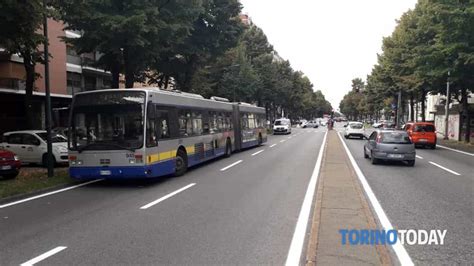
(69, 73)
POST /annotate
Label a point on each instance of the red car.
(9, 164)
(422, 133)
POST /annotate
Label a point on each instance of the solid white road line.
(48, 194)
(289, 137)
(399, 249)
(229, 166)
(273, 145)
(451, 149)
(296, 247)
(283, 140)
(255, 153)
(444, 168)
(144, 207)
(419, 157)
(44, 256)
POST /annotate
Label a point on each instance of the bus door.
(237, 127)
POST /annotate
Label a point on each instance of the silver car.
(390, 145)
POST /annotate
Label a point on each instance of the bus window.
(251, 120)
(151, 134)
(163, 124)
(185, 124)
(197, 123)
(228, 117)
(213, 122)
(220, 122)
(244, 121)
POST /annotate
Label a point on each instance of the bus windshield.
(108, 121)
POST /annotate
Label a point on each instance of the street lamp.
(446, 111)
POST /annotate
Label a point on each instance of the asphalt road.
(245, 214)
(427, 197)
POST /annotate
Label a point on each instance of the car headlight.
(16, 158)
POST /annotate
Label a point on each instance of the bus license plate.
(395, 156)
(105, 172)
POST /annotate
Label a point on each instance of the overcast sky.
(331, 41)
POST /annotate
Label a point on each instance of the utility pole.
(48, 93)
(446, 111)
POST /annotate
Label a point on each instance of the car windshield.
(54, 137)
(356, 126)
(424, 128)
(108, 120)
(281, 122)
(395, 138)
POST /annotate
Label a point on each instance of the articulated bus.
(145, 133)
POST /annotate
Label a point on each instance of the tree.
(21, 22)
(129, 33)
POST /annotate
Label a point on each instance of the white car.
(354, 129)
(30, 146)
(282, 126)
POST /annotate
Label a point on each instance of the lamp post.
(49, 155)
(446, 111)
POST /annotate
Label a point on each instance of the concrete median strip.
(340, 204)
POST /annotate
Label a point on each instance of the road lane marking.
(399, 249)
(255, 153)
(48, 194)
(273, 145)
(283, 140)
(289, 137)
(231, 165)
(43, 256)
(144, 207)
(451, 149)
(296, 246)
(419, 157)
(444, 168)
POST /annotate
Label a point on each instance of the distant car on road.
(354, 129)
(422, 133)
(390, 145)
(282, 126)
(311, 124)
(30, 146)
(9, 164)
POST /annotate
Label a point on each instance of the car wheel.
(181, 163)
(373, 160)
(411, 163)
(10, 176)
(44, 160)
(365, 154)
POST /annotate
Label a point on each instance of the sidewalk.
(340, 204)
(458, 145)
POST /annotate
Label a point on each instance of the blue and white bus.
(145, 133)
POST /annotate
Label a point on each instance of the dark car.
(390, 145)
(9, 164)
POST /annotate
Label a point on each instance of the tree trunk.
(29, 65)
(466, 115)
(115, 69)
(423, 96)
(412, 109)
(129, 68)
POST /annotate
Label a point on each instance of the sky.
(331, 41)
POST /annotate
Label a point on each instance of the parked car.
(30, 146)
(354, 129)
(9, 164)
(282, 126)
(311, 124)
(390, 145)
(377, 124)
(422, 133)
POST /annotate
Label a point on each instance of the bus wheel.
(260, 141)
(228, 149)
(181, 163)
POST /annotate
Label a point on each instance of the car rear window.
(356, 126)
(395, 138)
(424, 128)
